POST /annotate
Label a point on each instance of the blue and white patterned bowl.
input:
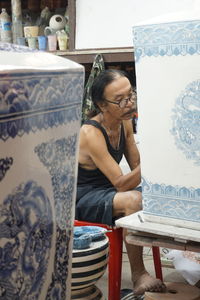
(40, 105)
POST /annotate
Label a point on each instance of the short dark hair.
(100, 83)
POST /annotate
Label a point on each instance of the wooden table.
(149, 234)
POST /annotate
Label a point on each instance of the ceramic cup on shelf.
(42, 42)
(52, 42)
(62, 40)
(21, 41)
(32, 42)
(31, 31)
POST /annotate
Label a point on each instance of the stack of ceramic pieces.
(89, 293)
(88, 265)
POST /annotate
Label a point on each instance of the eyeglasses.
(124, 102)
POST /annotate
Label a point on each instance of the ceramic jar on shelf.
(40, 117)
(56, 23)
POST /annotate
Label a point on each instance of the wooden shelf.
(86, 56)
(109, 55)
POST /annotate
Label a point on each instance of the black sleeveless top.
(96, 177)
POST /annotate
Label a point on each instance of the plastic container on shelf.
(6, 31)
(17, 30)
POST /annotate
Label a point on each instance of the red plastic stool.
(157, 262)
(115, 257)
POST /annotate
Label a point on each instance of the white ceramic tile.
(167, 59)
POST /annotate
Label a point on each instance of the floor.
(169, 273)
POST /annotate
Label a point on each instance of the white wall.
(108, 23)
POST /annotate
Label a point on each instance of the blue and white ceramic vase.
(40, 105)
(167, 57)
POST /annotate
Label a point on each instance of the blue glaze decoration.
(26, 228)
(5, 164)
(176, 202)
(36, 102)
(16, 48)
(166, 39)
(59, 157)
(186, 122)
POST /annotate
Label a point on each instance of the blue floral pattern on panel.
(167, 39)
(186, 122)
(36, 101)
(171, 201)
(59, 157)
(26, 230)
(5, 164)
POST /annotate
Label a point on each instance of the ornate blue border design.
(59, 157)
(167, 39)
(5, 164)
(26, 230)
(186, 122)
(177, 202)
(31, 102)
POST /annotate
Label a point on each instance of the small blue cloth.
(85, 235)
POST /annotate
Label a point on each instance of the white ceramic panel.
(40, 105)
(168, 83)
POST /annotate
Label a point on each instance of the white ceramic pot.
(40, 112)
(57, 22)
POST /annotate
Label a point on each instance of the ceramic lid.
(14, 57)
